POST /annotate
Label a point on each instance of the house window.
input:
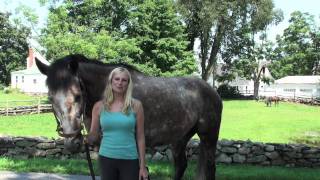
(34, 81)
(289, 90)
(305, 90)
(22, 79)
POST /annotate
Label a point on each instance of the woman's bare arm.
(140, 137)
(94, 133)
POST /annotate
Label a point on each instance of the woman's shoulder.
(98, 105)
(136, 104)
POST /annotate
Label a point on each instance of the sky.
(287, 6)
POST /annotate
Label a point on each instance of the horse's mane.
(62, 71)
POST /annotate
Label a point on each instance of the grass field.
(162, 170)
(14, 95)
(15, 98)
(241, 120)
(287, 123)
(29, 125)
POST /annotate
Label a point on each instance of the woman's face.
(120, 82)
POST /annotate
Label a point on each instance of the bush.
(2, 87)
(6, 90)
(227, 91)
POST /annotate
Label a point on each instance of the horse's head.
(66, 93)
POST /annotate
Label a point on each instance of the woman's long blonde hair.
(108, 94)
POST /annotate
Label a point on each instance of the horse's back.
(174, 106)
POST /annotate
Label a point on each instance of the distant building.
(30, 80)
(289, 87)
(298, 87)
(246, 87)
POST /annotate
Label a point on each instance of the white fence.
(285, 95)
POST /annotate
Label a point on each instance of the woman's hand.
(91, 139)
(143, 173)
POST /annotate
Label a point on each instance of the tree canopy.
(13, 47)
(226, 29)
(297, 51)
(147, 34)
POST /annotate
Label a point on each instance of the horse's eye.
(50, 99)
(77, 98)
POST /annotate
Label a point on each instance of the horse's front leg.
(179, 154)
(180, 159)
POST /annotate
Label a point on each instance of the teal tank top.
(118, 135)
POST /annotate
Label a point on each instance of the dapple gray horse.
(175, 108)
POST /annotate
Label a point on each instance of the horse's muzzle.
(73, 144)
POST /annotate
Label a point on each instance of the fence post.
(39, 105)
(7, 107)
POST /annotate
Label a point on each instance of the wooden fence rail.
(28, 107)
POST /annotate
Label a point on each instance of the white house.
(246, 87)
(30, 80)
(298, 87)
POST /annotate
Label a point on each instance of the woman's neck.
(118, 97)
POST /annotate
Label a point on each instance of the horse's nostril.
(60, 129)
(73, 144)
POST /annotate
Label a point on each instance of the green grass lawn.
(287, 123)
(161, 170)
(15, 98)
(241, 120)
(14, 95)
(29, 125)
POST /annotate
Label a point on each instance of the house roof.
(32, 70)
(299, 80)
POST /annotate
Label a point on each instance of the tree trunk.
(213, 79)
(256, 85)
(212, 61)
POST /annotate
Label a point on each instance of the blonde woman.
(121, 120)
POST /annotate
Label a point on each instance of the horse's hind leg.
(206, 162)
(179, 155)
(208, 145)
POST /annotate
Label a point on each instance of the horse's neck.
(94, 78)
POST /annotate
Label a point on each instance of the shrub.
(2, 87)
(227, 91)
(6, 90)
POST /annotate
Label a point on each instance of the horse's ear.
(73, 66)
(42, 67)
(74, 63)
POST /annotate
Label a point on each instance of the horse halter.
(78, 132)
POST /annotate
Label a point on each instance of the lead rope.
(86, 145)
(85, 133)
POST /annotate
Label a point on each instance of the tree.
(223, 27)
(205, 20)
(297, 52)
(13, 47)
(251, 47)
(147, 34)
(160, 36)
